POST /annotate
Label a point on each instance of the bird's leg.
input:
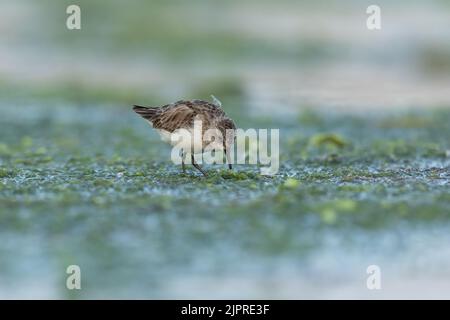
(227, 155)
(183, 156)
(197, 166)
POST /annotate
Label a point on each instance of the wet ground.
(364, 156)
(94, 186)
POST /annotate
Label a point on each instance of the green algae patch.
(291, 183)
(6, 173)
(328, 140)
(236, 175)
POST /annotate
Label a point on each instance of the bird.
(182, 114)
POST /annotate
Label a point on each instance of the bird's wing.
(180, 114)
(174, 117)
(148, 113)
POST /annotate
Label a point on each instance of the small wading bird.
(181, 115)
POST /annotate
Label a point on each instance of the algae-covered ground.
(364, 150)
(92, 185)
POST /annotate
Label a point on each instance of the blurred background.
(84, 181)
(287, 53)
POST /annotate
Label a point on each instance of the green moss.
(291, 183)
(236, 175)
(6, 173)
(103, 183)
(113, 198)
(328, 140)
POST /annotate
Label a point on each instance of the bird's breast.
(186, 139)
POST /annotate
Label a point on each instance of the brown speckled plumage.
(181, 115)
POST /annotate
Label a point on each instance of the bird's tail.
(147, 113)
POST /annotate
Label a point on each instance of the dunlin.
(182, 115)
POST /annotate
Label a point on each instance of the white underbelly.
(184, 139)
